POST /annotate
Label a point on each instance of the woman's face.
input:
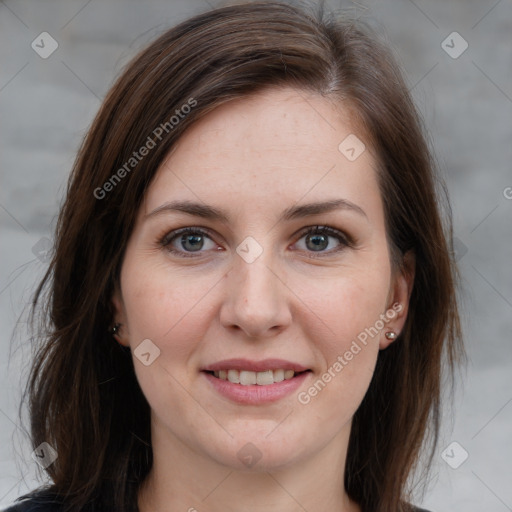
(255, 287)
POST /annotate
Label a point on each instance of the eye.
(187, 241)
(317, 240)
(184, 242)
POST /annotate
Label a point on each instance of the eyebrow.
(294, 212)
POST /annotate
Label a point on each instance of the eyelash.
(344, 239)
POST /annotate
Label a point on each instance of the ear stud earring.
(390, 335)
(114, 330)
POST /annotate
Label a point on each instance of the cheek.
(347, 304)
(346, 330)
(351, 312)
(160, 302)
(170, 309)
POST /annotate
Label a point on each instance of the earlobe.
(116, 332)
(399, 300)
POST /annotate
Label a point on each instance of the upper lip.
(254, 366)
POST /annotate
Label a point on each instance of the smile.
(247, 378)
(255, 388)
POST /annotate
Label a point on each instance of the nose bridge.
(256, 298)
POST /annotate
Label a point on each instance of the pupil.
(317, 243)
(196, 242)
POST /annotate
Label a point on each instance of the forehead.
(271, 148)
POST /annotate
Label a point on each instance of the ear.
(120, 318)
(398, 299)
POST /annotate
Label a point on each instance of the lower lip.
(254, 394)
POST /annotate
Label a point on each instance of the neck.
(182, 479)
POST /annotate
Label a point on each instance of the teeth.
(233, 376)
(278, 375)
(246, 378)
(263, 378)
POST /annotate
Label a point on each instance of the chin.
(259, 452)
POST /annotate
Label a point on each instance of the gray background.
(46, 106)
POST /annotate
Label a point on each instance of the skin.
(255, 157)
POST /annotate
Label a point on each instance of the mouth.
(253, 378)
(250, 382)
(246, 382)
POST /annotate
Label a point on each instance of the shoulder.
(35, 502)
(417, 509)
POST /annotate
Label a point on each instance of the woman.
(251, 296)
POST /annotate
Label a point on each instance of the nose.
(257, 301)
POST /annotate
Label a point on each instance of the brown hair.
(83, 395)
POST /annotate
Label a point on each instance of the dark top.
(45, 503)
